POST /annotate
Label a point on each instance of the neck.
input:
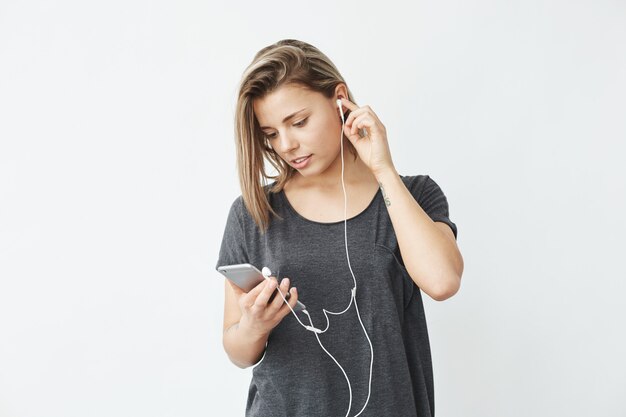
(355, 172)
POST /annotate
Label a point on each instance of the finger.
(264, 296)
(284, 310)
(360, 123)
(354, 114)
(254, 292)
(347, 103)
(251, 296)
(359, 111)
(356, 137)
(353, 109)
(278, 300)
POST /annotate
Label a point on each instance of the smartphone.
(247, 276)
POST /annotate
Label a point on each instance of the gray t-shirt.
(295, 377)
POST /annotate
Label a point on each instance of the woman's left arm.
(429, 250)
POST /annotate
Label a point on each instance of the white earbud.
(340, 108)
(266, 272)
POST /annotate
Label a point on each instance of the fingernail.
(285, 281)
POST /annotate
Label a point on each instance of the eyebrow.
(286, 119)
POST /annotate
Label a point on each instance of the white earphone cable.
(352, 297)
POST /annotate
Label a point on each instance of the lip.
(301, 164)
(298, 157)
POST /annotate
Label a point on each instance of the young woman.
(358, 260)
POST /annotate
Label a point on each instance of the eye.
(301, 122)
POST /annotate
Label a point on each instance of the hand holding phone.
(247, 277)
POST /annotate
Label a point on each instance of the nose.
(286, 143)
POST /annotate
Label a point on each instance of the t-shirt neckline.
(295, 212)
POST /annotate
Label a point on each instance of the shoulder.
(241, 212)
(431, 199)
(426, 192)
(235, 218)
(237, 205)
(411, 179)
(416, 183)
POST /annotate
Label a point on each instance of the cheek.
(327, 133)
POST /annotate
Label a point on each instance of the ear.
(341, 91)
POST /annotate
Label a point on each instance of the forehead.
(272, 108)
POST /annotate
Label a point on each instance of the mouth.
(299, 159)
(301, 162)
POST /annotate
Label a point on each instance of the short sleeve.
(233, 247)
(434, 202)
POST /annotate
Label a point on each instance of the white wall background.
(117, 172)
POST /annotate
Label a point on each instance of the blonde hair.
(286, 62)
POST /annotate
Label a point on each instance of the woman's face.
(314, 128)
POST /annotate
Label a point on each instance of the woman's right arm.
(249, 319)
